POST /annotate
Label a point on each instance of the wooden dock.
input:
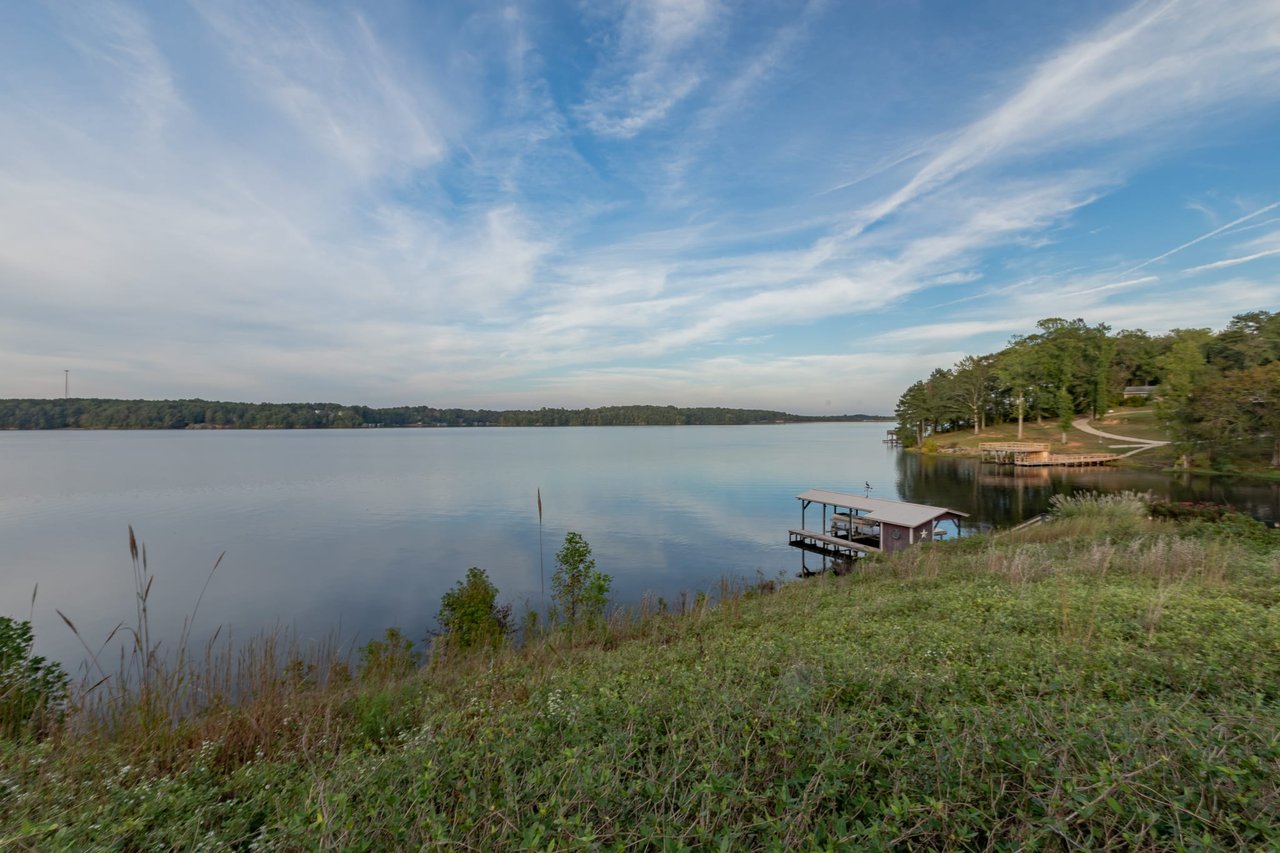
(1036, 454)
(857, 525)
(1070, 460)
(1009, 452)
(832, 546)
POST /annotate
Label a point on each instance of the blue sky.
(803, 206)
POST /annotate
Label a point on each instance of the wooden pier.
(1036, 454)
(832, 546)
(1070, 460)
(892, 439)
(854, 525)
(1009, 452)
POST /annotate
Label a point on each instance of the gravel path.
(1139, 444)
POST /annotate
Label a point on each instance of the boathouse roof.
(879, 509)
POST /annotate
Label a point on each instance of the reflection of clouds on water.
(368, 529)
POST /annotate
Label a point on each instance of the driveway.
(1138, 444)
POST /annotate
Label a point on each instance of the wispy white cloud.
(121, 41)
(331, 76)
(1231, 262)
(1154, 62)
(1207, 235)
(326, 203)
(653, 63)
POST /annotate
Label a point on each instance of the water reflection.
(369, 528)
(1002, 495)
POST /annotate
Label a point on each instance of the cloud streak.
(552, 203)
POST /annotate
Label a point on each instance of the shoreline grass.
(1099, 681)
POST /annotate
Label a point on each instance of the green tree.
(389, 658)
(1066, 412)
(470, 615)
(1239, 407)
(1016, 374)
(911, 412)
(1249, 340)
(972, 381)
(33, 691)
(1182, 369)
(1102, 356)
(580, 591)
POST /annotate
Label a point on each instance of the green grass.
(1076, 685)
(1132, 423)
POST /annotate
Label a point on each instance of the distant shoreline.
(197, 414)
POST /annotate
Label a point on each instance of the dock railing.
(1012, 452)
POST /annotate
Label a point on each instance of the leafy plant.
(391, 657)
(579, 590)
(469, 613)
(33, 691)
(1117, 507)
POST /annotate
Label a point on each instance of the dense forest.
(1217, 394)
(206, 414)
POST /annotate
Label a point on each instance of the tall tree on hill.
(1237, 407)
(1102, 355)
(1182, 368)
(1134, 359)
(911, 414)
(1249, 340)
(972, 379)
(1066, 411)
(1015, 370)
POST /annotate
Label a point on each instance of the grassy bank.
(1133, 423)
(1099, 681)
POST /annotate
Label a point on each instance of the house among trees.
(1139, 390)
(1216, 395)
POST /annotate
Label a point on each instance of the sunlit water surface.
(353, 531)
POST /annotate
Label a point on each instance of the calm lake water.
(360, 530)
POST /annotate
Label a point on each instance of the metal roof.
(879, 509)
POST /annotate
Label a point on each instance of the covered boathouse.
(853, 525)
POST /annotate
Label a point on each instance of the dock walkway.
(831, 546)
(1036, 454)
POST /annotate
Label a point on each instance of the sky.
(789, 205)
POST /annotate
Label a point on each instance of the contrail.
(1212, 233)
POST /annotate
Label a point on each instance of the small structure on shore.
(853, 525)
(1144, 391)
(1036, 454)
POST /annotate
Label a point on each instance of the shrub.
(1190, 510)
(391, 657)
(33, 691)
(579, 590)
(1121, 506)
(1216, 521)
(469, 613)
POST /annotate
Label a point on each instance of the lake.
(363, 529)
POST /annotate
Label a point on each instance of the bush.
(469, 614)
(391, 657)
(33, 691)
(1190, 510)
(579, 590)
(1216, 521)
(1120, 507)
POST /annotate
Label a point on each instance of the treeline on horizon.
(1217, 393)
(80, 413)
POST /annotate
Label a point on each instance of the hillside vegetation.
(80, 413)
(1101, 681)
(1216, 395)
